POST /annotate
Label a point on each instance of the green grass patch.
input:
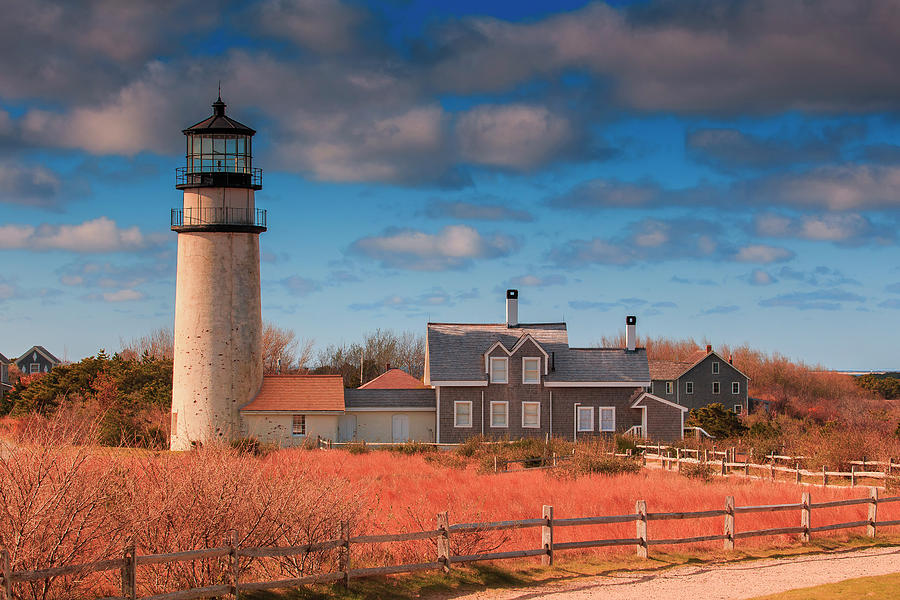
(882, 586)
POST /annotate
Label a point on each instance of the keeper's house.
(518, 380)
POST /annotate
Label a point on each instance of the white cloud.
(763, 254)
(326, 26)
(123, 296)
(513, 136)
(98, 235)
(760, 277)
(453, 247)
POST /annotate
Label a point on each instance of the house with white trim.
(520, 380)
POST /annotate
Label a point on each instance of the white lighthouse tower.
(218, 321)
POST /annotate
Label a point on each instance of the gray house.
(523, 380)
(4, 376)
(706, 378)
(36, 360)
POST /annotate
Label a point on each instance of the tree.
(378, 349)
(159, 343)
(716, 420)
(281, 348)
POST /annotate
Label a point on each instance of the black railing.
(198, 217)
(249, 177)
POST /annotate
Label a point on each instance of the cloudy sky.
(725, 170)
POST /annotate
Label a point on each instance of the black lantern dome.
(219, 153)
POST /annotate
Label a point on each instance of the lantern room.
(219, 152)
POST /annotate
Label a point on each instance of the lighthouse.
(218, 363)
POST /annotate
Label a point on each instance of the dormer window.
(531, 370)
(499, 370)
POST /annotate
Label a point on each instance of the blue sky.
(727, 171)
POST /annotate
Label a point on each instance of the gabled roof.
(3, 359)
(40, 350)
(389, 399)
(394, 379)
(668, 369)
(455, 350)
(299, 393)
(647, 396)
(601, 364)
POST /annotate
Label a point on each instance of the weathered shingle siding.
(564, 400)
(663, 421)
(658, 388)
(702, 376)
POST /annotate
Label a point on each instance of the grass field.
(885, 586)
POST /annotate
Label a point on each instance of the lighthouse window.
(299, 425)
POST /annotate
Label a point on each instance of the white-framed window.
(499, 370)
(688, 387)
(462, 413)
(531, 370)
(585, 418)
(715, 387)
(715, 367)
(607, 418)
(738, 408)
(669, 385)
(299, 425)
(531, 415)
(34, 368)
(500, 414)
(735, 387)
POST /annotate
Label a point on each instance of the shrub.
(700, 471)
(716, 420)
(357, 448)
(446, 459)
(252, 446)
(413, 447)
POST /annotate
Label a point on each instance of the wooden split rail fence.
(131, 561)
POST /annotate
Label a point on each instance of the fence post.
(5, 575)
(797, 467)
(641, 510)
(678, 459)
(824, 476)
(746, 469)
(547, 535)
(235, 568)
(443, 542)
(705, 455)
(805, 516)
(129, 573)
(772, 471)
(852, 475)
(344, 559)
(495, 463)
(729, 523)
(723, 466)
(873, 512)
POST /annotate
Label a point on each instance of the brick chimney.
(709, 348)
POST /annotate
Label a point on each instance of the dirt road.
(717, 581)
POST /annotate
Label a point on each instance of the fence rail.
(445, 559)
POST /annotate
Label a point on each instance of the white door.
(400, 427)
(346, 428)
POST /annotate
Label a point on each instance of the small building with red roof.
(290, 409)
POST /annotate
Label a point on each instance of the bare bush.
(283, 352)
(159, 343)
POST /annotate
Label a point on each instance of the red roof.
(668, 369)
(395, 379)
(299, 393)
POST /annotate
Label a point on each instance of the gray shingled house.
(4, 376)
(36, 360)
(705, 378)
(523, 380)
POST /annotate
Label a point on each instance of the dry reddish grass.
(64, 504)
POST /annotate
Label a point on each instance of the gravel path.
(716, 581)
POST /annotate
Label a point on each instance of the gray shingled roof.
(3, 359)
(601, 364)
(389, 399)
(455, 350)
(43, 351)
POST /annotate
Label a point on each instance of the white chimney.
(512, 308)
(630, 336)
